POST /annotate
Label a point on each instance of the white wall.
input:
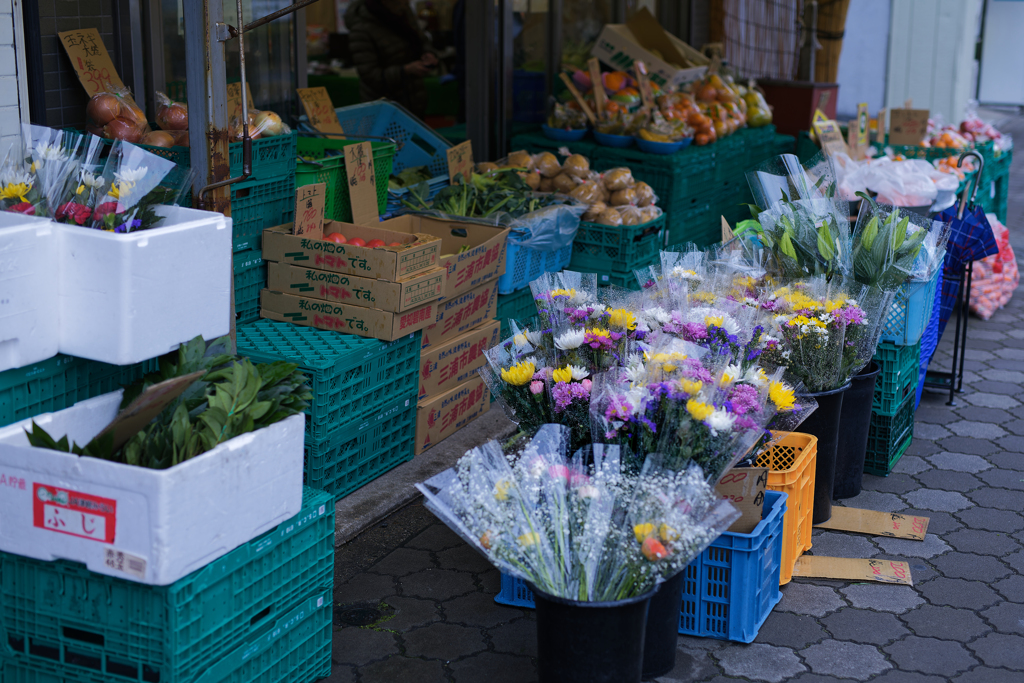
(10, 112)
(862, 63)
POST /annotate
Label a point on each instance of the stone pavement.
(962, 621)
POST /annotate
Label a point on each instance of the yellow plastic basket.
(791, 458)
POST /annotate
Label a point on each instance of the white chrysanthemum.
(635, 359)
(826, 318)
(756, 377)
(685, 273)
(720, 422)
(573, 339)
(578, 372)
(131, 175)
(729, 376)
(598, 310)
(635, 398)
(636, 373)
(12, 176)
(50, 152)
(92, 181)
(535, 337)
(588, 491)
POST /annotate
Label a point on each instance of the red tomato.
(357, 242)
(395, 244)
(375, 243)
(336, 237)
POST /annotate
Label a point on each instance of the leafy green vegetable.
(234, 397)
(484, 195)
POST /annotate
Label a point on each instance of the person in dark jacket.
(390, 52)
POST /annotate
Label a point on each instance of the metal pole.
(554, 45)
(504, 85)
(480, 33)
(154, 39)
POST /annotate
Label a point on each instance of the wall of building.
(863, 60)
(10, 112)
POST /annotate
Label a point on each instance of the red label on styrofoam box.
(74, 513)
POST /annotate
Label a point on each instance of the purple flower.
(619, 409)
(692, 369)
(565, 393)
(744, 399)
(743, 422)
(694, 332)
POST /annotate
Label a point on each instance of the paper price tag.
(830, 137)
(320, 109)
(744, 488)
(907, 126)
(819, 115)
(460, 160)
(877, 523)
(594, 67)
(362, 183)
(823, 99)
(234, 92)
(646, 94)
(89, 57)
(880, 126)
(727, 233)
(862, 126)
(309, 211)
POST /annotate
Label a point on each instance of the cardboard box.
(619, 45)
(384, 295)
(29, 324)
(441, 416)
(483, 260)
(385, 263)
(449, 363)
(168, 523)
(463, 313)
(357, 320)
(127, 298)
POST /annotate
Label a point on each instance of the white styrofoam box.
(29, 321)
(130, 297)
(135, 523)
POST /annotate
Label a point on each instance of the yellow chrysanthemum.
(642, 531)
(782, 396)
(562, 374)
(519, 340)
(519, 374)
(691, 387)
(713, 320)
(699, 411)
(599, 333)
(501, 489)
(667, 533)
(532, 538)
(703, 297)
(621, 318)
(668, 362)
(17, 191)
(833, 305)
(571, 293)
(726, 380)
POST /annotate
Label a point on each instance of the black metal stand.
(954, 379)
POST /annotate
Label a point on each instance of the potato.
(644, 194)
(547, 164)
(610, 217)
(565, 183)
(519, 159)
(576, 165)
(531, 178)
(623, 197)
(586, 193)
(546, 185)
(618, 179)
(486, 167)
(595, 210)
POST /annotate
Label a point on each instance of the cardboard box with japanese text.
(417, 254)
(619, 45)
(472, 253)
(463, 313)
(384, 295)
(449, 363)
(441, 416)
(327, 315)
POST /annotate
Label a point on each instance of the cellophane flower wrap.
(32, 179)
(577, 526)
(134, 186)
(84, 185)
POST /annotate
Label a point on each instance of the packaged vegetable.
(588, 193)
(546, 184)
(532, 178)
(114, 115)
(618, 179)
(630, 215)
(644, 194)
(567, 118)
(547, 164)
(171, 115)
(565, 183)
(650, 213)
(623, 197)
(577, 166)
(519, 159)
(595, 210)
(609, 216)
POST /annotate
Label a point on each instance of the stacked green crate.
(892, 411)
(536, 142)
(261, 613)
(518, 306)
(615, 251)
(361, 421)
(250, 276)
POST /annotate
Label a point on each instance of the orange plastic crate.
(791, 458)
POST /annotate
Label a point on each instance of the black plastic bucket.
(824, 424)
(590, 642)
(663, 627)
(854, 421)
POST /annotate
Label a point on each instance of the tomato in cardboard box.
(473, 253)
(417, 253)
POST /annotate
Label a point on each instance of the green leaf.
(870, 231)
(901, 232)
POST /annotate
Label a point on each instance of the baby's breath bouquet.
(576, 526)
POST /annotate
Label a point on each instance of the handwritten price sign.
(362, 183)
(460, 160)
(744, 488)
(309, 211)
(234, 92)
(90, 59)
(320, 109)
(907, 126)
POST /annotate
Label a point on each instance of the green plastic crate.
(350, 377)
(358, 452)
(88, 626)
(60, 382)
(518, 306)
(260, 204)
(537, 142)
(759, 144)
(272, 158)
(618, 278)
(889, 437)
(731, 156)
(250, 274)
(680, 180)
(897, 377)
(700, 225)
(328, 166)
(616, 247)
(784, 144)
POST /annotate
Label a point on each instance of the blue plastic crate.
(523, 265)
(418, 144)
(910, 312)
(350, 377)
(395, 197)
(729, 589)
(80, 626)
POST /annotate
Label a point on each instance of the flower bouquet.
(31, 179)
(132, 177)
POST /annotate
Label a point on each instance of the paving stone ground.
(962, 621)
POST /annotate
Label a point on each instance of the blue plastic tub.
(652, 147)
(609, 140)
(562, 134)
(523, 265)
(910, 311)
(729, 589)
